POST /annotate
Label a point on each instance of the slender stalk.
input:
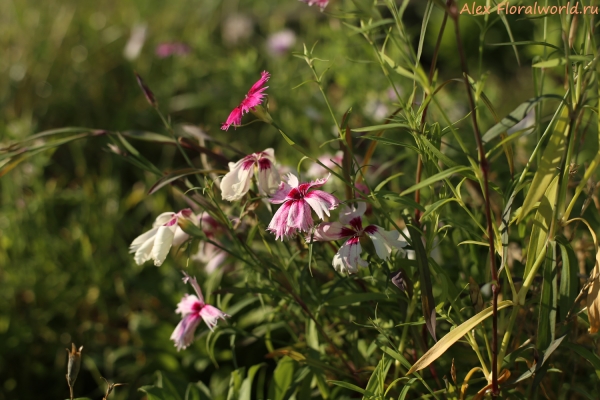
(483, 164)
(431, 73)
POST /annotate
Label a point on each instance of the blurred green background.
(67, 216)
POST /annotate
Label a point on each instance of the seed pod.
(73, 366)
(147, 92)
(402, 282)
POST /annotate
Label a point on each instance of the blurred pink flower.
(297, 201)
(164, 50)
(209, 254)
(253, 98)
(347, 259)
(331, 162)
(156, 243)
(193, 308)
(320, 3)
(236, 183)
(281, 42)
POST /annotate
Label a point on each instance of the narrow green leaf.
(246, 389)
(235, 383)
(433, 207)
(386, 140)
(541, 224)
(197, 391)
(381, 127)
(516, 116)
(376, 384)
(435, 178)
(547, 311)
(348, 299)
(549, 164)
(453, 336)
(282, 378)
(427, 301)
(350, 387)
(588, 355)
(569, 282)
(538, 366)
(404, 200)
(174, 175)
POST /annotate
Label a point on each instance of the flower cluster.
(296, 199)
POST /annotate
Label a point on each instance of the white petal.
(348, 213)
(144, 251)
(326, 231)
(162, 244)
(268, 180)
(140, 240)
(347, 259)
(292, 180)
(384, 241)
(163, 219)
(236, 183)
(180, 237)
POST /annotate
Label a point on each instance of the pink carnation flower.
(347, 259)
(209, 254)
(236, 183)
(253, 99)
(164, 50)
(192, 310)
(297, 199)
(156, 243)
(320, 3)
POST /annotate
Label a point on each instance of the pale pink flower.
(156, 243)
(347, 259)
(320, 3)
(236, 183)
(281, 42)
(253, 98)
(331, 162)
(209, 254)
(192, 310)
(297, 199)
(164, 50)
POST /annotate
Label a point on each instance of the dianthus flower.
(253, 99)
(236, 183)
(156, 243)
(192, 309)
(347, 259)
(297, 199)
(209, 254)
(320, 3)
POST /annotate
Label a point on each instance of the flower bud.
(73, 366)
(147, 92)
(261, 113)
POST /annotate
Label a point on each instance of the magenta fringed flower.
(297, 199)
(320, 3)
(192, 310)
(347, 259)
(253, 98)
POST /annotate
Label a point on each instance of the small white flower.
(156, 243)
(347, 259)
(236, 183)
